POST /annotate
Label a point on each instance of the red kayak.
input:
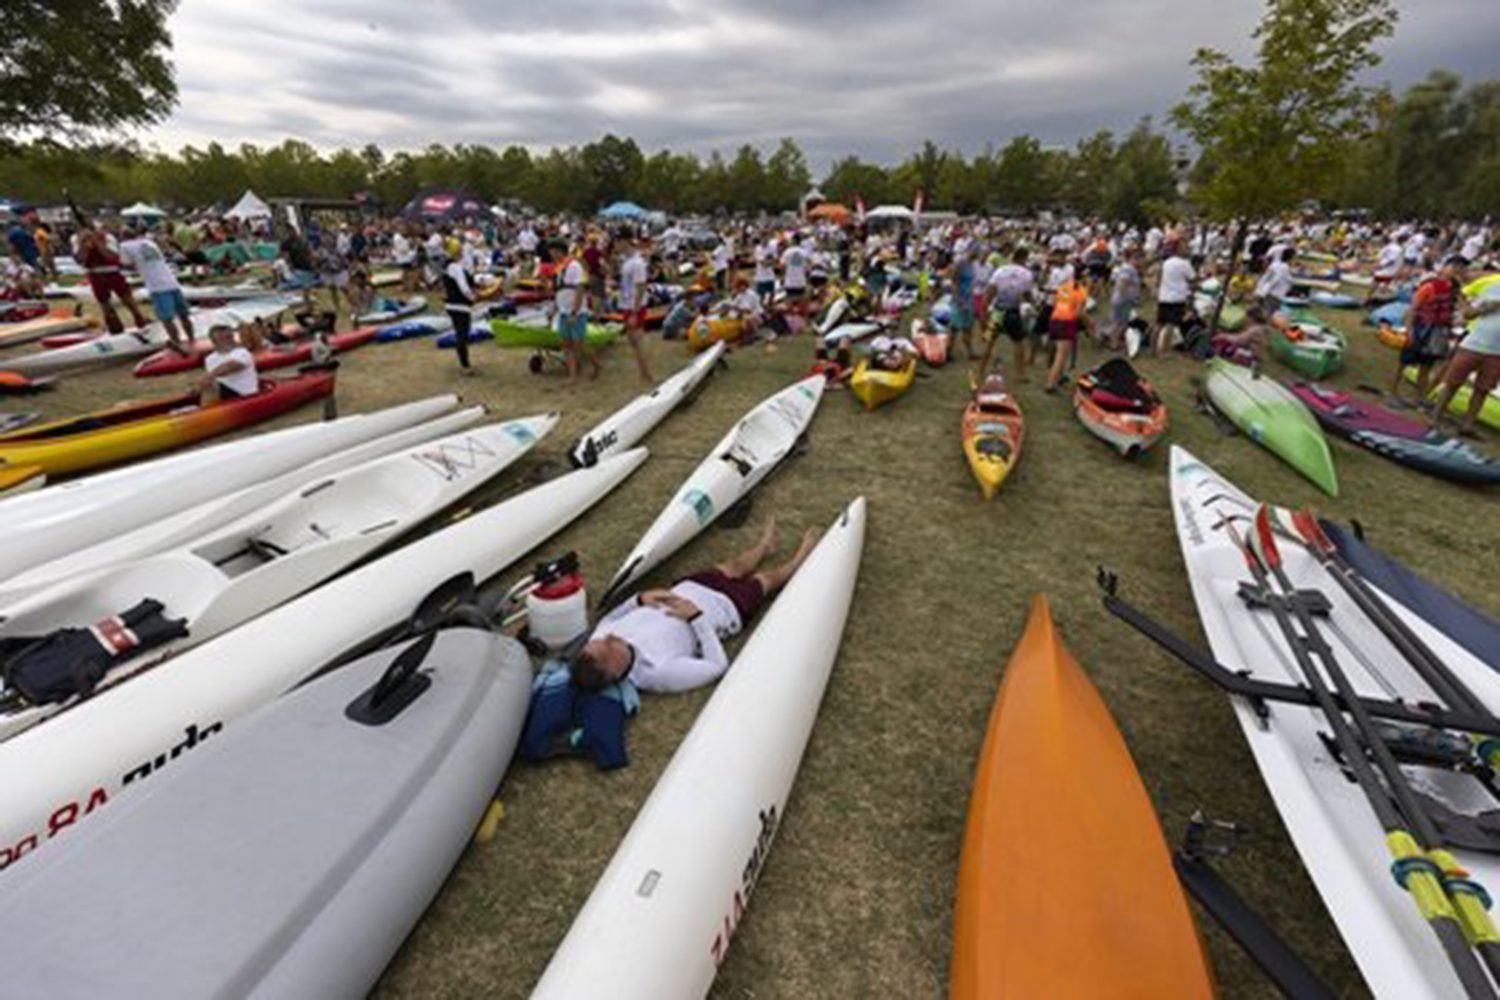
(932, 344)
(274, 356)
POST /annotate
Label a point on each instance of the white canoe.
(746, 455)
(57, 776)
(174, 530)
(287, 548)
(113, 348)
(84, 292)
(1330, 821)
(338, 834)
(627, 426)
(851, 332)
(661, 917)
(50, 523)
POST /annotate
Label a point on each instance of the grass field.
(857, 898)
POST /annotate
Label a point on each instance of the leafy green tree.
(1275, 130)
(1021, 183)
(787, 177)
(81, 66)
(1143, 179)
(852, 178)
(746, 181)
(613, 169)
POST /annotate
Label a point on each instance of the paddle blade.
(1305, 521)
(1264, 538)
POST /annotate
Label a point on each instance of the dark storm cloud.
(873, 77)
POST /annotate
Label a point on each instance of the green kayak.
(1489, 413)
(1272, 417)
(1232, 318)
(541, 338)
(1310, 350)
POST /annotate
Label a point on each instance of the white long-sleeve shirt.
(671, 654)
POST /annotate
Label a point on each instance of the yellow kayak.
(993, 431)
(705, 333)
(21, 479)
(876, 387)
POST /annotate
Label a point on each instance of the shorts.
(1122, 312)
(793, 292)
(1171, 313)
(573, 328)
(340, 280)
(298, 280)
(107, 285)
(169, 305)
(1063, 331)
(1012, 323)
(635, 319)
(745, 592)
(765, 289)
(1484, 367)
(1428, 346)
(962, 320)
(1099, 272)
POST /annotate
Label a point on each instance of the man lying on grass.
(672, 640)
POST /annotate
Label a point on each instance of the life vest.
(67, 662)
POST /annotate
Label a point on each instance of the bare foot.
(809, 542)
(767, 537)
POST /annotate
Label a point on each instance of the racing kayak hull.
(1273, 418)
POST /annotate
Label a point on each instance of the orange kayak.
(993, 430)
(1066, 887)
(1120, 407)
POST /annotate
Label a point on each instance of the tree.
(746, 181)
(1275, 130)
(1021, 182)
(613, 169)
(787, 177)
(853, 178)
(1143, 180)
(1091, 170)
(84, 66)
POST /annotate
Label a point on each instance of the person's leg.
(1060, 351)
(1424, 383)
(186, 319)
(633, 334)
(1486, 376)
(746, 562)
(773, 579)
(462, 323)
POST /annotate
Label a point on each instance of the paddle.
(1428, 664)
(1444, 898)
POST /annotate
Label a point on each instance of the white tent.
(141, 210)
(891, 212)
(249, 207)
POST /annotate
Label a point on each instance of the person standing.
(1172, 294)
(1437, 304)
(570, 301)
(333, 273)
(1011, 286)
(794, 270)
(101, 262)
(1124, 298)
(1478, 355)
(597, 270)
(633, 285)
(458, 299)
(1276, 283)
(141, 253)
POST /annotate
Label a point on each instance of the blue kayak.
(1333, 300)
(1463, 623)
(424, 326)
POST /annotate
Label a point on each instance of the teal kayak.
(1309, 349)
(1267, 413)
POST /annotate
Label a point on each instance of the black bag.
(70, 662)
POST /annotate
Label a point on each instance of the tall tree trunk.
(1235, 247)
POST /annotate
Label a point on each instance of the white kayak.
(84, 293)
(1341, 843)
(249, 567)
(661, 917)
(627, 426)
(50, 523)
(851, 332)
(757, 444)
(392, 310)
(338, 832)
(55, 777)
(174, 530)
(113, 348)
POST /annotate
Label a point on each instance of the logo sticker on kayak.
(520, 433)
(453, 461)
(702, 505)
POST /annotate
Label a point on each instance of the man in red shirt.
(1436, 306)
(101, 262)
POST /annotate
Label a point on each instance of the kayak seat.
(1107, 400)
(995, 447)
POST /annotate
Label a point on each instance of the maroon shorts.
(105, 285)
(744, 592)
(1063, 330)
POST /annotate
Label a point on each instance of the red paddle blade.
(1264, 538)
(1306, 523)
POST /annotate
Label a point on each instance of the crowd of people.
(1041, 285)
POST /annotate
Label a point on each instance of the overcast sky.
(873, 77)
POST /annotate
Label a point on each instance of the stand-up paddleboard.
(176, 530)
(59, 520)
(661, 917)
(290, 856)
(1273, 418)
(57, 776)
(762, 439)
(233, 575)
(627, 426)
(1107, 890)
(118, 347)
(1341, 842)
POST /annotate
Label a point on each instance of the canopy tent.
(832, 212)
(141, 210)
(249, 206)
(622, 210)
(445, 205)
(891, 212)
